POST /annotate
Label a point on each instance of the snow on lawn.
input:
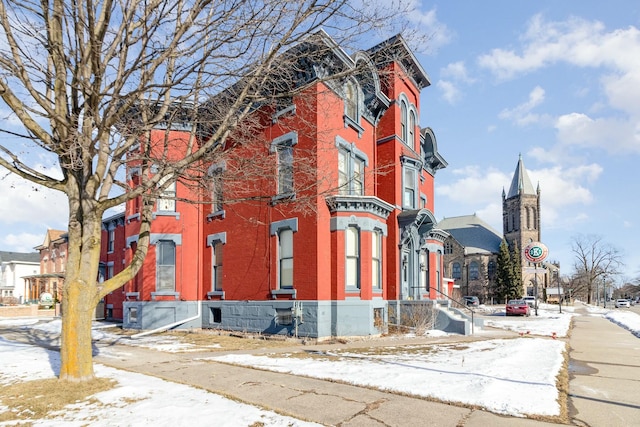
(499, 375)
(548, 322)
(627, 319)
(135, 400)
(508, 376)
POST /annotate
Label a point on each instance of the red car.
(518, 307)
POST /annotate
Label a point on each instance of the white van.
(531, 300)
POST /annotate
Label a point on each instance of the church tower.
(521, 218)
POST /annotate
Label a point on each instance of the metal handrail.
(464, 305)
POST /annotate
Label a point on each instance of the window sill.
(134, 217)
(216, 215)
(281, 198)
(132, 296)
(167, 213)
(215, 294)
(175, 295)
(275, 293)
(349, 122)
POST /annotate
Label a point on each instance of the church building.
(472, 249)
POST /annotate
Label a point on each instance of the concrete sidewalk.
(604, 387)
(604, 383)
(324, 402)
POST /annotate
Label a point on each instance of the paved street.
(604, 384)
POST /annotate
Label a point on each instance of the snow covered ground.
(498, 374)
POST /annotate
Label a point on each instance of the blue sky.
(558, 82)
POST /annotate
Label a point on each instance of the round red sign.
(536, 252)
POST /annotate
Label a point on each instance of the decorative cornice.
(367, 204)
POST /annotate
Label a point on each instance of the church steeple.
(520, 184)
(521, 214)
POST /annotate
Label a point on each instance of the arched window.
(403, 121)
(412, 128)
(351, 101)
(474, 273)
(456, 272)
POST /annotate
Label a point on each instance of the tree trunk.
(80, 295)
(76, 349)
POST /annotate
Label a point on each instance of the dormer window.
(352, 106)
(351, 101)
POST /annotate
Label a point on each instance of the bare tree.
(89, 81)
(594, 262)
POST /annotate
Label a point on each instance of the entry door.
(405, 274)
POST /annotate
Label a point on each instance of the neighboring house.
(470, 254)
(112, 253)
(14, 267)
(368, 245)
(53, 260)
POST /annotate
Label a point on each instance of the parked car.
(530, 300)
(622, 303)
(471, 301)
(517, 307)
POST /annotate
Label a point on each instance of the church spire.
(521, 184)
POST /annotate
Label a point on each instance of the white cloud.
(611, 134)
(22, 242)
(24, 202)
(521, 114)
(563, 190)
(450, 91)
(583, 44)
(437, 34)
(457, 71)
(475, 185)
(453, 76)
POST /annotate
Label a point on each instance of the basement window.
(284, 316)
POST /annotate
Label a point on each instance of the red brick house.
(367, 245)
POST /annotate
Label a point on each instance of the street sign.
(536, 252)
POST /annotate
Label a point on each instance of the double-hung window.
(217, 196)
(216, 266)
(351, 164)
(165, 266)
(376, 260)
(111, 241)
(167, 198)
(283, 148)
(352, 261)
(285, 258)
(351, 101)
(409, 194)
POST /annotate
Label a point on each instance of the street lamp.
(558, 283)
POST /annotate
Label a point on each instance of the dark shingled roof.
(19, 257)
(473, 233)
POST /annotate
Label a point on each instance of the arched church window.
(474, 273)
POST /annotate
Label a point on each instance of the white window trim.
(289, 140)
(352, 153)
(274, 230)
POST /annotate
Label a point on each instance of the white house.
(14, 266)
